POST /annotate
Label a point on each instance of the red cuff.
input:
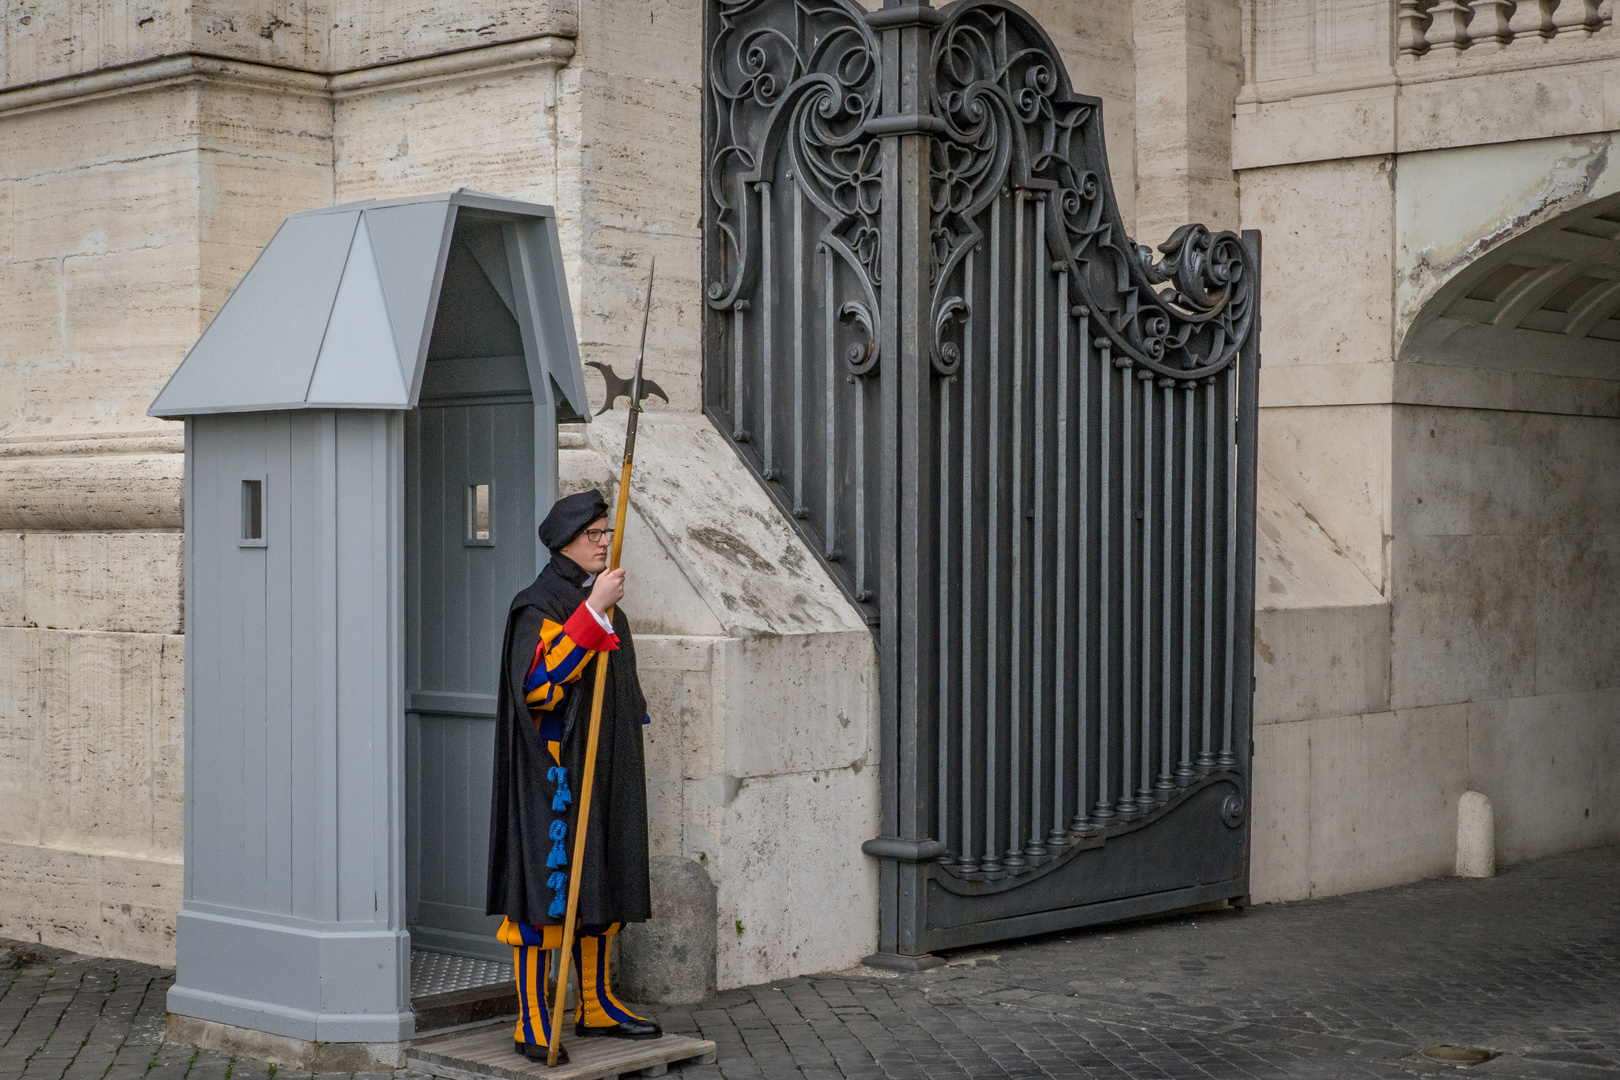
(583, 629)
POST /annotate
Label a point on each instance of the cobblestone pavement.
(1526, 964)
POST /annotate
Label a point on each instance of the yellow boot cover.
(598, 1008)
(531, 960)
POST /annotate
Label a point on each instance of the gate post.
(908, 422)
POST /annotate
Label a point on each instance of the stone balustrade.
(1447, 27)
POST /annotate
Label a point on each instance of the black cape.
(615, 886)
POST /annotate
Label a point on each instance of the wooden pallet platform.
(487, 1052)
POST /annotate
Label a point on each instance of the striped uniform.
(561, 656)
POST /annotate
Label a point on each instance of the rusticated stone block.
(102, 581)
(113, 905)
(112, 491)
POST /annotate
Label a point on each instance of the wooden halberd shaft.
(598, 692)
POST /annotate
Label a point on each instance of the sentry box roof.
(345, 306)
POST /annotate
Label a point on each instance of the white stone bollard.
(1476, 836)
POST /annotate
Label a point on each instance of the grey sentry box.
(370, 441)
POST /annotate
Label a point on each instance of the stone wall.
(1462, 480)
(125, 216)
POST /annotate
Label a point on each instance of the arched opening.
(1505, 553)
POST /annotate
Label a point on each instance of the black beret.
(571, 516)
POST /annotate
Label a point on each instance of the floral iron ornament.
(805, 72)
(1012, 121)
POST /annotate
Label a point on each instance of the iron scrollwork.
(1012, 120)
(807, 73)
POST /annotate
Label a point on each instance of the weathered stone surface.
(1371, 107)
(1280, 824)
(799, 703)
(1327, 270)
(102, 581)
(682, 743)
(1334, 463)
(367, 32)
(414, 139)
(724, 533)
(670, 958)
(665, 602)
(1297, 564)
(91, 751)
(116, 905)
(13, 609)
(795, 892)
(1183, 122)
(47, 41)
(1384, 791)
(1322, 661)
(1453, 205)
(1547, 765)
(140, 492)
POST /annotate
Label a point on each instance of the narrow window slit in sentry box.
(480, 527)
(253, 513)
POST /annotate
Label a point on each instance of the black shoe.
(536, 1052)
(627, 1029)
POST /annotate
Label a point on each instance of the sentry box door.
(472, 492)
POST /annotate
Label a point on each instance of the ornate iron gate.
(1022, 444)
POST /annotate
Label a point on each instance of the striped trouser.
(531, 962)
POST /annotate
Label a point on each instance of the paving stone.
(1349, 988)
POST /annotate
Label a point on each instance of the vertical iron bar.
(1082, 722)
(1206, 757)
(1060, 636)
(1104, 808)
(969, 609)
(1167, 569)
(992, 535)
(1037, 596)
(830, 335)
(767, 248)
(1144, 788)
(1127, 517)
(801, 392)
(1184, 770)
(943, 623)
(1015, 686)
(862, 593)
(1226, 760)
(1245, 450)
(738, 431)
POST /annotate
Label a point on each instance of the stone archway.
(1505, 539)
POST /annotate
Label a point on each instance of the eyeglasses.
(596, 536)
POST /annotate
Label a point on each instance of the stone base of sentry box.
(284, 1050)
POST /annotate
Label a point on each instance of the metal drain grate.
(1461, 1057)
(440, 973)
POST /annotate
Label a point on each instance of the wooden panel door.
(469, 535)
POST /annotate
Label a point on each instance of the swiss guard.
(554, 630)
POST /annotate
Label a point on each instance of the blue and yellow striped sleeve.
(560, 657)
